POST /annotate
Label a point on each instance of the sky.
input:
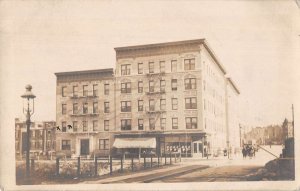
(257, 42)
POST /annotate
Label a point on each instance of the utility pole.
(293, 121)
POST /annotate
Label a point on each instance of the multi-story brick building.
(165, 97)
(42, 138)
(85, 112)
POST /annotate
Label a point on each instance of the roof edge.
(85, 72)
(233, 85)
(152, 45)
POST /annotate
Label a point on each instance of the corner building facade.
(176, 95)
(169, 96)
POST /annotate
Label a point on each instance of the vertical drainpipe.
(227, 120)
(115, 109)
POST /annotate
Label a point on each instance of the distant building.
(42, 138)
(168, 97)
(272, 134)
(287, 128)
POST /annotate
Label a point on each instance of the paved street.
(199, 170)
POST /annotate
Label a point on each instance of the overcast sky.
(256, 41)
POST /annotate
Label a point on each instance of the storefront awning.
(134, 143)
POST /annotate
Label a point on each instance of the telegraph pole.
(293, 121)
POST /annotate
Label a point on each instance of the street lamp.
(28, 111)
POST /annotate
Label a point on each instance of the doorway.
(84, 147)
(197, 149)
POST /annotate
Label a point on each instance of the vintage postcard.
(152, 95)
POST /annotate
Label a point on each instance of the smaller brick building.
(42, 139)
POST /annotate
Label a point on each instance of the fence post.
(175, 157)
(96, 166)
(78, 167)
(121, 163)
(170, 157)
(157, 160)
(151, 162)
(180, 157)
(110, 165)
(32, 166)
(165, 159)
(57, 166)
(132, 163)
(144, 161)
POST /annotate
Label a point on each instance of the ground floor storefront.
(187, 144)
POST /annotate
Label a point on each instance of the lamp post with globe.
(28, 110)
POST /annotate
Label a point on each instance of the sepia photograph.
(151, 95)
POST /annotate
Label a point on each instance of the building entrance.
(84, 147)
(197, 149)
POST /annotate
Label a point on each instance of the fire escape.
(154, 95)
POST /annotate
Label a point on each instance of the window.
(140, 86)
(126, 87)
(95, 125)
(204, 104)
(162, 66)
(140, 124)
(140, 68)
(75, 91)
(151, 86)
(63, 91)
(151, 105)
(95, 107)
(174, 123)
(64, 109)
(189, 64)
(174, 84)
(151, 123)
(140, 105)
(85, 108)
(151, 67)
(191, 122)
(106, 89)
(125, 69)
(174, 65)
(85, 125)
(125, 106)
(204, 84)
(106, 125)
(162, 123)
(75, 126)
(190, 83)
(174, 103)
(191, 103)
(126, 124)
(103, 144)
(63, 126)
(162, 85)
(75, 108)
(162, 104)
(85, 90)
(106, 107)
(95, 90)
(66, 145)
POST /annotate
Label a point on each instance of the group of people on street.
(248, 150)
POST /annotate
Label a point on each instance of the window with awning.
(134, 143)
